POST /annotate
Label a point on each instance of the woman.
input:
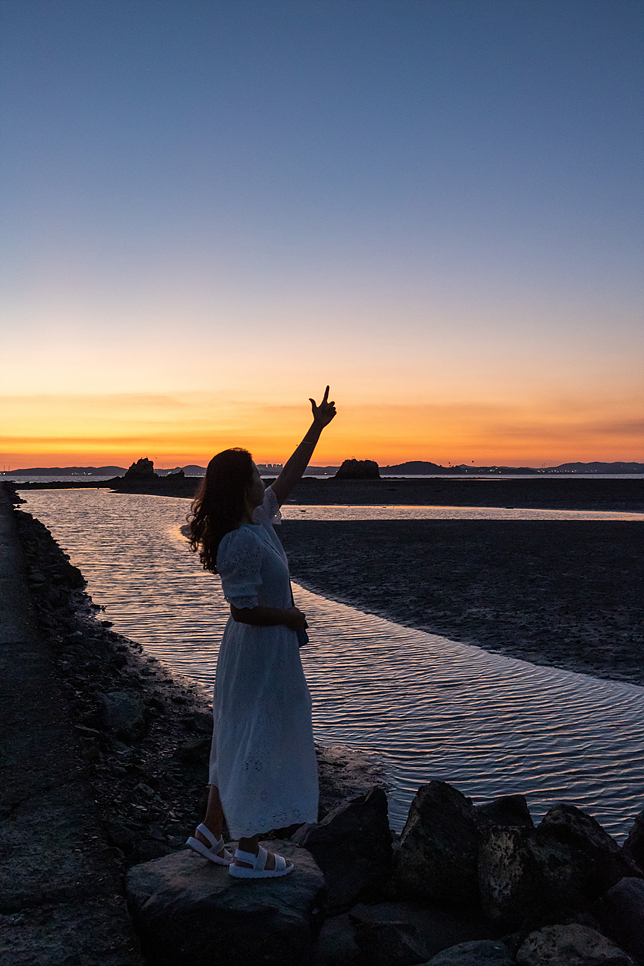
(263, 770)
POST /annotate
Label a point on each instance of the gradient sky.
(212, 208)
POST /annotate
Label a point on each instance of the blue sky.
(435, 206)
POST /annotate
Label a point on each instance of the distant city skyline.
(213, 208)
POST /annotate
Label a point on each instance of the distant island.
(412, 468)
(420, 467)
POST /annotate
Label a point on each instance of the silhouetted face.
(255, 489)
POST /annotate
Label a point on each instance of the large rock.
(584, 836)
(336, 945)
(404, 933)
(633, 847)
(564, 865)
(523, 880)
(509, 810)
(482, 953)
(358, 470)
(143, 469)
(123, 714)
(437, 857)
(621, 914)
(572, 945)
(190, 912)
(352, 846)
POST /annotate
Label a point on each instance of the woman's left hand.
(324, 413)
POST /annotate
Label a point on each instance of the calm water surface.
(422, 706)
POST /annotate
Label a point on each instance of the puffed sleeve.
(239, 563)
(269, 511)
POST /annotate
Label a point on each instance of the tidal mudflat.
(563, 593)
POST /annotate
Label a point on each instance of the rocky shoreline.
(462, 886)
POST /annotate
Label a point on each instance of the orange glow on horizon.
(95, 431)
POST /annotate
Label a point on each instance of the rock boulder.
(621, 914)
(189, 911)
(633, 847)
(527, 875)
(572, 945)
(353, 847)
(336, 945)
(404, 933)
(509, 810)
(358, 470)
(437, 857)
(123, 714)
(486, 952)
(522, 880)
(583, 835)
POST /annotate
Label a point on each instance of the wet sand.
(563, 593)
(570, 493)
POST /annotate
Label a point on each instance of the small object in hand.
(302, 637)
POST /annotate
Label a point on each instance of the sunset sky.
(212, 208)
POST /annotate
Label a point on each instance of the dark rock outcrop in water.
(142, 470)
(358, 470)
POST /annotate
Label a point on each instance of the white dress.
(263, 756)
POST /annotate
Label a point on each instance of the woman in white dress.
(263, 770)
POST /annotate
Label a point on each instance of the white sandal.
(216, 845)
(258, 862)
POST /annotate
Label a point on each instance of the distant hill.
(422, 467)
(190, 470)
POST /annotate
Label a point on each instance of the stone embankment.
(103, 761)
(61, 893)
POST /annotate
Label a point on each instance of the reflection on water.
(425, 707)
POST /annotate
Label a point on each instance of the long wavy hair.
(220, 503)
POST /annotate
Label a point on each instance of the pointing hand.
(324, 413)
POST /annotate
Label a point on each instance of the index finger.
(326, 396)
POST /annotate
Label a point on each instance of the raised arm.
(298, 462)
